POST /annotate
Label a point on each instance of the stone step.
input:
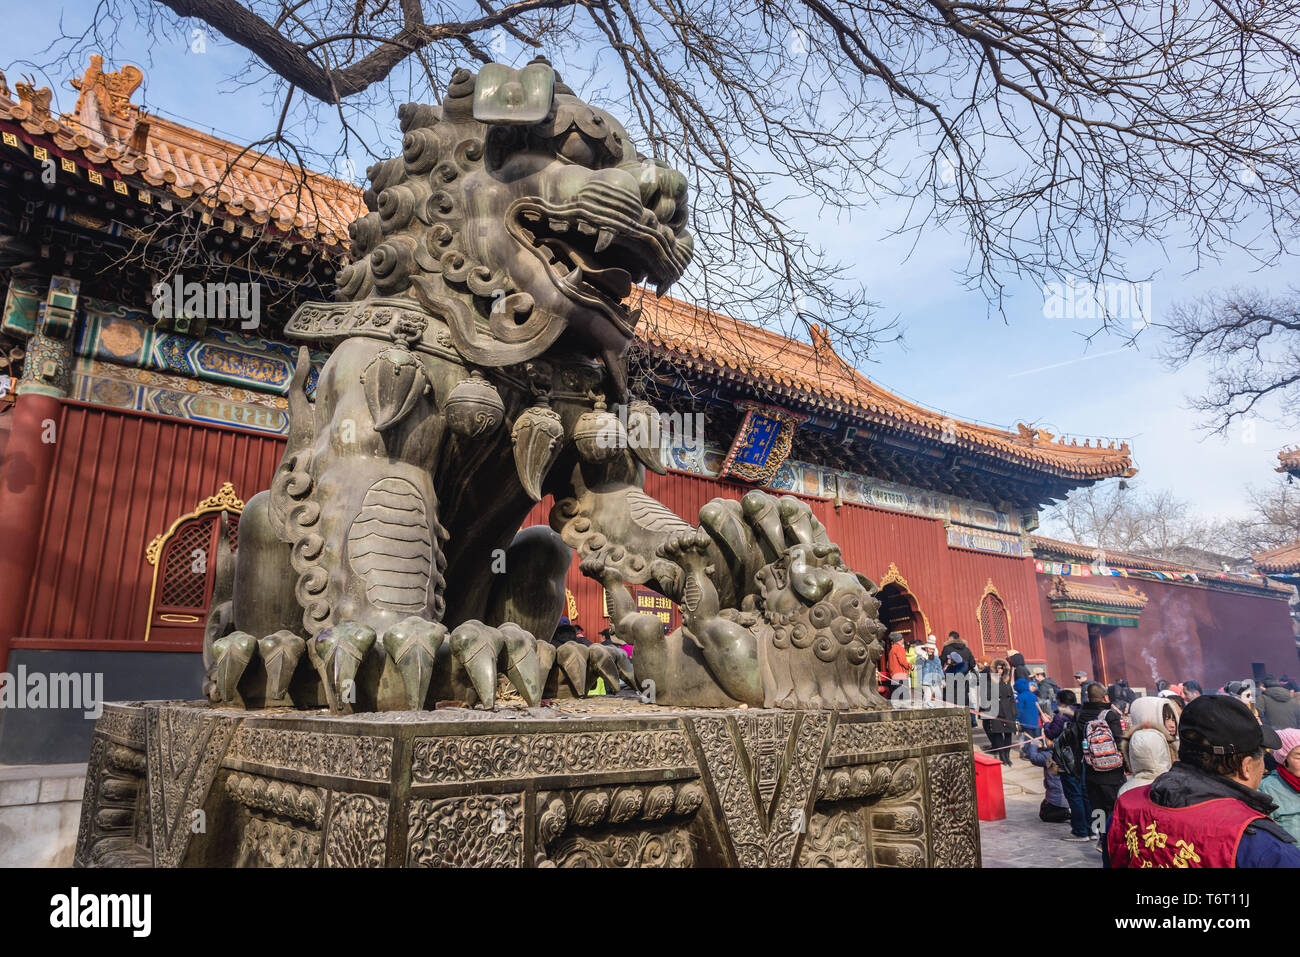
(40, 809)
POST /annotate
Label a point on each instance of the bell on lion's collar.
(599, 435)
(474, 407)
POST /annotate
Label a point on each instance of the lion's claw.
(483, 650)
(578, 666)
(337, 654)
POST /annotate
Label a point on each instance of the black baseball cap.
(1221, 724)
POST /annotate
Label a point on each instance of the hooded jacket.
(1149, 714)
(962, 649)
(1148, 757)
(1265, 843)
(1027, 706)
(1277, 708)
(1000, 702)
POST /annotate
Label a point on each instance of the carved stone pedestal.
(584, 783)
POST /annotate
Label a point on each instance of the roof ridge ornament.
(112, 90)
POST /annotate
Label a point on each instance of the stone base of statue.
(598, 782)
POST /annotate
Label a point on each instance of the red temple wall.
(1185, 632)
(119, 479)
(1067, 649)
(122, 477)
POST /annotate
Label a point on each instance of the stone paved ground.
(1022, 840)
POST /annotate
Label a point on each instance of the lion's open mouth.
(597, 255)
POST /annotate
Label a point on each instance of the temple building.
(1118, 615)
(128, 430)
(1282, 564)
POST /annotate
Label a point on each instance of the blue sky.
(956, 356)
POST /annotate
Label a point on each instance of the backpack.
(1099, 750)
(1065, 750)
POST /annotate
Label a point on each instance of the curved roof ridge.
(1279, 559)
(675, 325)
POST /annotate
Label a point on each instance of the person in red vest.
(1206, 810)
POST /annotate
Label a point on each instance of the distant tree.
(1155, 523)
(1251, 341)
(1273, 520)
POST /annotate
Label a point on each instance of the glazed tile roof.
(1284, 558)
(814, 370)
(1289, 461)
(1065, 590)
(1087, 554)
(1044, 547)
(106, 129)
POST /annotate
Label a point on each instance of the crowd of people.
(1179, 777)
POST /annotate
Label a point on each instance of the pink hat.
(1290, 739)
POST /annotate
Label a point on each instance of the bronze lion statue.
(479, 343)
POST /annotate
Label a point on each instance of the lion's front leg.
(623, 535)
(356, 505)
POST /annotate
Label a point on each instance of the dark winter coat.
(1090, 711)
(1019, 668)
(1047, 689)
(1005, 709)
(962, 649)
(1277, 708)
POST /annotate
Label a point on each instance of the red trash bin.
(988, 788)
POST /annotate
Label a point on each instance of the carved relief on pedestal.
(574, 826)
(954, 829)
(127, 760)
(868, 815)
(763, 767)
(364, 757)
(490, 756)
(114, 827)
(125, 727)
(270, 842)
(700, 788)
(185, 748)
(282, 826)
(282, 798)
(662, 847)
(482, 830)
(866, 738)
(357, 831)
(835, 839)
